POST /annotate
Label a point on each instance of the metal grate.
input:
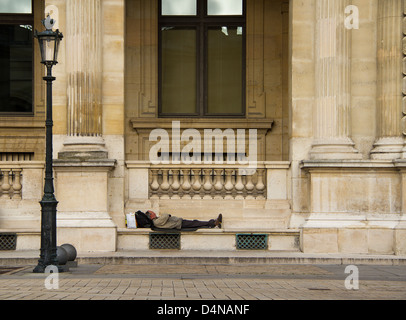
(8, 242)
(164, 241)
(252, 241)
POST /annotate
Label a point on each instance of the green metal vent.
(164, 241)
(8, 242)
(252, 241)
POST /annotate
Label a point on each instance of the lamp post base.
(48, 256)
(41, 268)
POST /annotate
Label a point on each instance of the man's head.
(151, 214)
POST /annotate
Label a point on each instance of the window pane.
(224, 7)
(178, 67)
(179, 7)
(225, 70)
(15, 6)
(16, 68)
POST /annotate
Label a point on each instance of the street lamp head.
(49, 41)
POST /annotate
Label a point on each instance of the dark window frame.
(202, 22)
(22, 19)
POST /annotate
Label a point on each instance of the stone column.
(84, 68)
(82, 169)
(400, 229)
(389, 142)
(403, 122)
(333, 84)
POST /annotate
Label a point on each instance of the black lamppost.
(49, 45)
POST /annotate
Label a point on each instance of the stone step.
(162, 257)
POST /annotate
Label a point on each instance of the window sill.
(202, 123)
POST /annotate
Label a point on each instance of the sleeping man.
(167, 221)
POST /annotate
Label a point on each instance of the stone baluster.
(260, 186)
(218, 186)
(228, 186)
(239, 186)
(165, 184)
(6, 186)
(154, 183)
(175, 184)
(186, 186)
(249, 187)
(196, 184)
(17, 186)
(208, 185)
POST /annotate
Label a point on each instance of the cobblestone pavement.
(206, 282)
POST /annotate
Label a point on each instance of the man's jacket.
(166, 221)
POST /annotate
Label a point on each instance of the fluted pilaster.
(403, 122)
(389, 142)
(333, 87)
(84, 65)
(84, 90)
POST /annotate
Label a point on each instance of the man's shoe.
(218, 221)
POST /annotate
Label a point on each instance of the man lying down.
(167, 221)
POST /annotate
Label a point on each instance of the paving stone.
(242, 282)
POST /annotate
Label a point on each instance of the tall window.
(202, 58)
(16, 56)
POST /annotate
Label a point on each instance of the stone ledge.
(342, 164)
(145, 164)
(214, 231)
(99, 163)
(24, 258)
(210, 123)
(21, 231)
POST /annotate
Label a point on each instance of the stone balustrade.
(21, 180)
(10, 183)
(214, 182)
(205, 181)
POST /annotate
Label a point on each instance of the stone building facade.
(321, 82)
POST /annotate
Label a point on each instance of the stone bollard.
(71, 255)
